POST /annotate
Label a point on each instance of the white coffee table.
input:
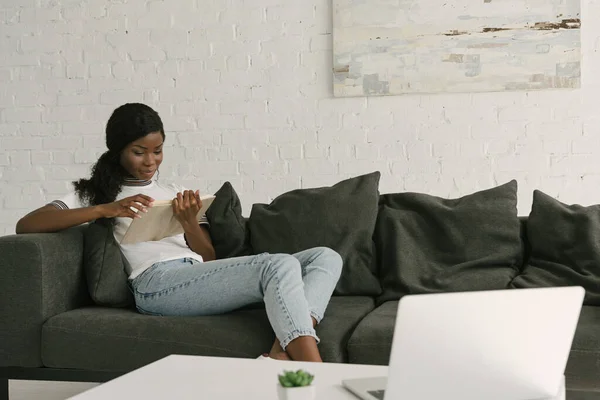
(194, 377)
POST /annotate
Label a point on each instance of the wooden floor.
(36, 390)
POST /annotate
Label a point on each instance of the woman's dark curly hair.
(127, 123)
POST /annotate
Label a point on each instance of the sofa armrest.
(41, 275)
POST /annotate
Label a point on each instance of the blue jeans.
(293, 288)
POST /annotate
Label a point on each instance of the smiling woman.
(144, 156)
(122, 186)
(134, 137)
(178, 275)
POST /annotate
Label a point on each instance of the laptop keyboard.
(378, 394)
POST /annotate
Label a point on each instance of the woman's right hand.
(125, 207)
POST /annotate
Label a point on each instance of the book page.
(159, 222)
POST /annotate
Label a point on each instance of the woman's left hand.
(186, 207)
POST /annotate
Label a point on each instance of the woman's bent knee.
(331, 259)
(284, 261)
(281, 265)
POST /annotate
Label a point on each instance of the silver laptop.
(503, 344)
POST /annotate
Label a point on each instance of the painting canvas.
(388, 47)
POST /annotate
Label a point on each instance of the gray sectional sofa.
(56, 325)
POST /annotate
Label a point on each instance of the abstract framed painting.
(392, 47)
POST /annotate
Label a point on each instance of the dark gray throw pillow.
(228, 228)
(341, 217)
(565, 247)
(104, 266)
(427, 244)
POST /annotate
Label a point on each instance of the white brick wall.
(245, 94)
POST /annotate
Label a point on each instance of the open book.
(159, 222)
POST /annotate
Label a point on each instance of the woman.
(179, 275)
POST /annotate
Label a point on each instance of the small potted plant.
(295, 386)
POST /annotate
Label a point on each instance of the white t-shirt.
(141, 256)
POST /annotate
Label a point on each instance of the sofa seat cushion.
(343, 315)
(583, 368)
(112, 339)
(371, 343)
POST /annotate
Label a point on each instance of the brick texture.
(245, 95)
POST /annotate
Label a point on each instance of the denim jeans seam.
(186, 283)
(312, 259)
(146, 271)
(282, 303)
(309, 262)
(258, 257)
(144, 311)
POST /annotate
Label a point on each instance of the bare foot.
(277, 352)
(276, 348)
(280, 356)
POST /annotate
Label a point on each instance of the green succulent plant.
(295, 379)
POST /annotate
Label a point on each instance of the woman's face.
(141, 158)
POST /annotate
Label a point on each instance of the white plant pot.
(297, 393)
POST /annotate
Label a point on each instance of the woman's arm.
(185, 208)
(198, 239)
(51, 219)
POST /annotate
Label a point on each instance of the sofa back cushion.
(228, 228)
(565, 247)
(104, 266)
(427, 244)
(341, 217)
(525, 242)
